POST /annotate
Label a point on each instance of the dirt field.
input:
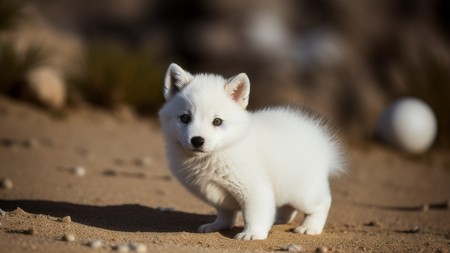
(387, 202)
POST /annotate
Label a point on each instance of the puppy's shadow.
(127, 218)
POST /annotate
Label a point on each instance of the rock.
(321, 250)
(6, 183)
(7, 142)
(292, 248)
(95, 244)
(122, 248)
(31, 143)
(18, 211)
(62, 48)
(110, 172)
(409, 124)
(143, 161)
(46, 87)
(415, 230)
(31, 231)
(138, 247)
(373, 224)
(69, 237)
(66, 219)
(79, 171)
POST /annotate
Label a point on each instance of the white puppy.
(268, 163)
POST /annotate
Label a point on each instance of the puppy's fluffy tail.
(338, 160)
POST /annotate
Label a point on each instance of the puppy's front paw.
(250, 236)
(309, 230)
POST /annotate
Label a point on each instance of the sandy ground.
(128, 194)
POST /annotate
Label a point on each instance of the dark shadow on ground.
(417, 208)
(128, 218)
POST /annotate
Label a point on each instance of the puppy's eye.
(217, 122)
(185, 118)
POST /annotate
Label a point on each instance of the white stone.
(138, 247)
(47, 87)
(79, 171)
(6, 183)
(144, 161)
(293, 248)
(95, 244)
(408, 124)
(122, 248)
(69, 237)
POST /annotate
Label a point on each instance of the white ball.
(408, 124)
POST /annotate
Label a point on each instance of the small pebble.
(321, 250)
(347, 225)
(110, 172)
(143, 161)
(18, 211)
(66, 219)
(31, 231)
(31, 143)
(3, 213)
(6, 142)
(138, 247)
(6, 183)
(292, 248)
(166, 177)
(415, 230)
(69, 237)
(373, 224)
(122, 248)
(79, 171)
(95, 244)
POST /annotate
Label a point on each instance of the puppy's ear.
(238, 88)
(176, 78)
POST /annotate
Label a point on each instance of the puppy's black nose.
(197, 141)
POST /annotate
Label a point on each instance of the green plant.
(115, 74)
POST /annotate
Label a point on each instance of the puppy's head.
(203, 113)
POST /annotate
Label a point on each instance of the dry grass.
(115, 74)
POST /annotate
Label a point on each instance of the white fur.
(269, 163)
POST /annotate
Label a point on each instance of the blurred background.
(345, 59)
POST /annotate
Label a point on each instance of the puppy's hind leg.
(285, 214)
(315, 219)
(225, 220)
